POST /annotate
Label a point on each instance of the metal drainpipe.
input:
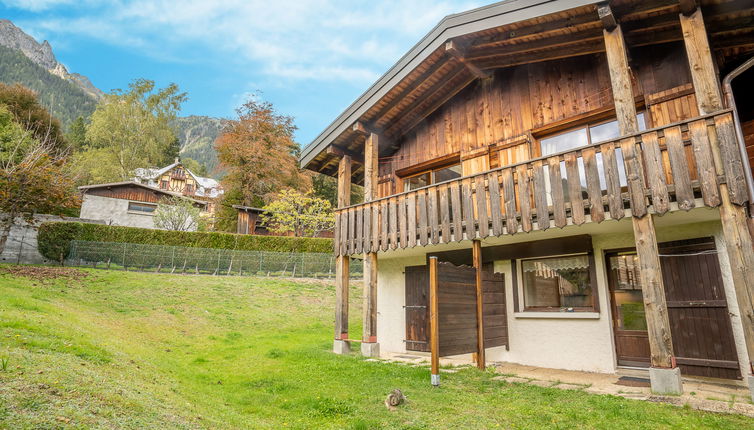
(731, 101)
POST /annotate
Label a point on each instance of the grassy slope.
(128, 350)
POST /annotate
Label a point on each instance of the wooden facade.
(574, 115)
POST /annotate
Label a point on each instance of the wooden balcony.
(675, 167)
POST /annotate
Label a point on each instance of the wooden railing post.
(477, 259)
(738, 240)
(369, 345)
(341, 344)
(434, 327)
(665, 377)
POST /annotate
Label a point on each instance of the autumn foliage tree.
(34, 176)
(259, 154)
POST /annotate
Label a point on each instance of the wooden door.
(697, 308)
(417, 308)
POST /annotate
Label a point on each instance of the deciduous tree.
(298, 213)
(176, 213)
(130, 129)
(259, 154)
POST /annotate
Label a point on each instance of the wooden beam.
(434, 324)
(653, 289)
(369, 325)
(609, 21)
(343, 152)
(538, 30)
(526, 47)
(547, 54)
(688, 6)
(342, 262)
(738, 239)
(703, 74)
(456, 50)
(477, 260)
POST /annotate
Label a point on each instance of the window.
(141, 208)
(628, 301)
(164, 184)
(588, 134)
(562, 283)
(189, 188)
(432, 176)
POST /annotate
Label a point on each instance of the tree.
(34, 178)
(76, 135)
(301, 214)
(177, 213)
(32, 116)
(259, 154)
(131, 129)
(194, 166)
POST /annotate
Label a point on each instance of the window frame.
(431, 171)
(594, 308)
(588, 125)
(140, 212)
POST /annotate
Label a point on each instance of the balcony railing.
(655, 171)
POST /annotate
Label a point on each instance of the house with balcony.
(561, 184)
(176, 178)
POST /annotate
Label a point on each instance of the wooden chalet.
(561, 184)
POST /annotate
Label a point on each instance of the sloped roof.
(85, 188)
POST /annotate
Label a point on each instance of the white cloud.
(319, 40)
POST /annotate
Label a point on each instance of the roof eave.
(486, 17)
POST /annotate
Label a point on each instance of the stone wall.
(21, 247)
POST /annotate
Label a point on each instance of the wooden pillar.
(738, 240)
(434, 327)
(653, 290)
(369, 335)
(342, 263)
(477, 260)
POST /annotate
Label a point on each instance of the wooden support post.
(369, 346)
(342, 264)
(653, 290)
(738, 239)
(434, 329)
(477, 260)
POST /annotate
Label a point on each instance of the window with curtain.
(560, 283)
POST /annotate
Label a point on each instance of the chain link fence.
(179, 259)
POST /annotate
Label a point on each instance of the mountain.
(69, 95)
(41, 54)
(197, 135)
(63, 98)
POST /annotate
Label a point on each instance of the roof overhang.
(483, 18)
(85, 188)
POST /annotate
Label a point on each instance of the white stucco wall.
(570, 341)
(114, 212)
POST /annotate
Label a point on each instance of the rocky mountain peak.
(41, 53)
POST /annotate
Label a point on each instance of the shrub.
(55, 238)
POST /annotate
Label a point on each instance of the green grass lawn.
(135, 350)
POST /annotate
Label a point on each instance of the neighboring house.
(178, 179)
(126, 203)
(581, 158)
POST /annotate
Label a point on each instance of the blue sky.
(311, 58)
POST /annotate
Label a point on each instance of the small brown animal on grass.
(394, 399)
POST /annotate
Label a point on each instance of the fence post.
(124, 258)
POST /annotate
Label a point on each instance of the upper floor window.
(164, 184)
(588, 134)
(432, 176)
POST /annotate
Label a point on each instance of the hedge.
(54, 239)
